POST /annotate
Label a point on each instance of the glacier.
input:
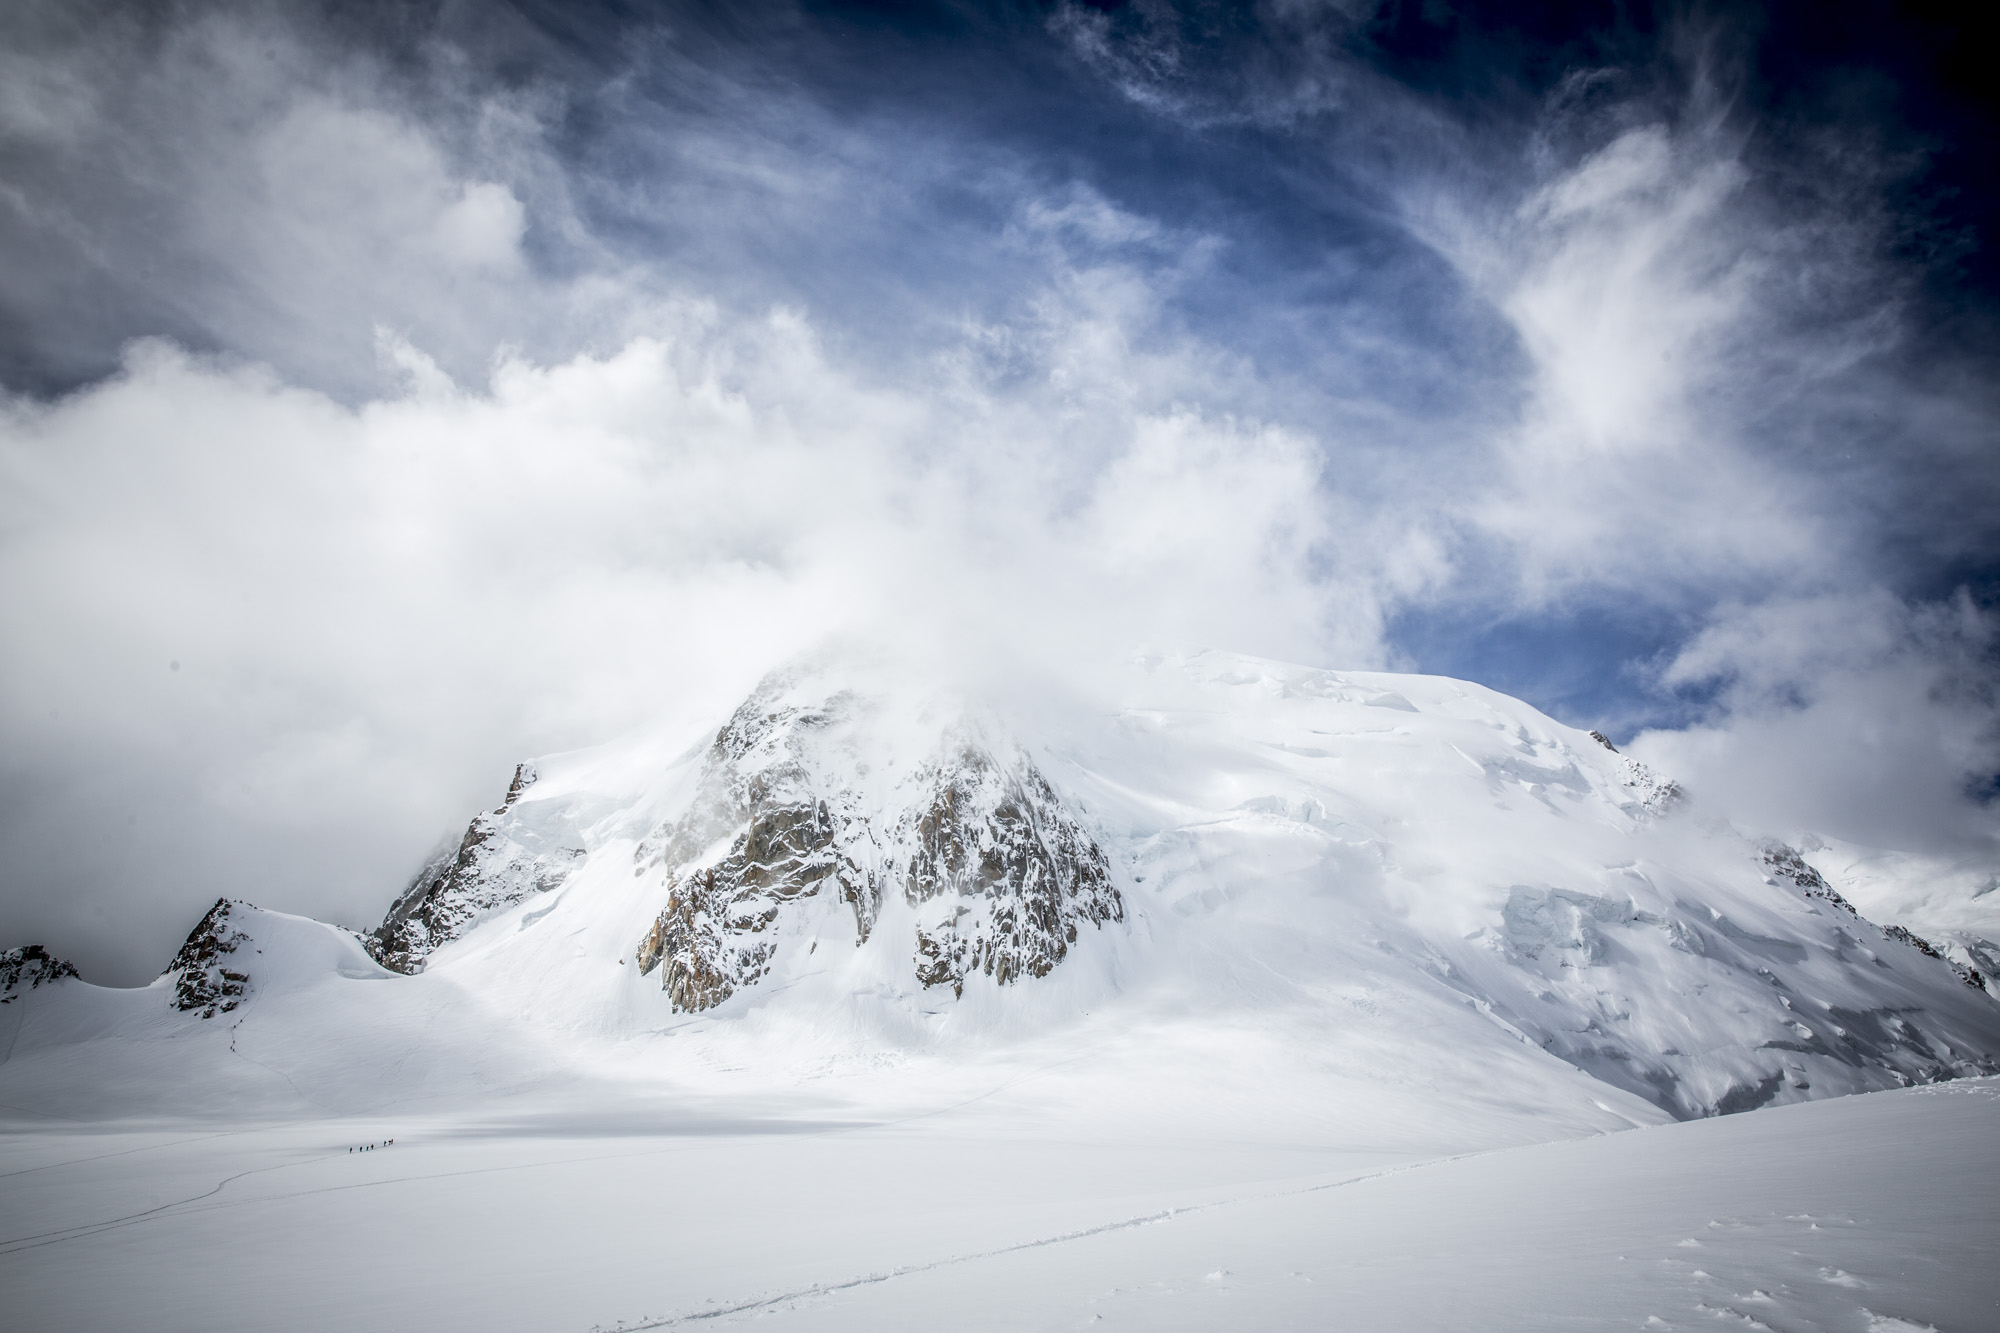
(1216, 933)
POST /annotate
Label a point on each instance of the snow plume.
(442, 393)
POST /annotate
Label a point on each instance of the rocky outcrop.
(1784, 865)
(1000, 873)
(208, 978)
(1653, 794)
(503, 859)
(28, 968)
(1976, 959)
(785, 833)
(1971, 976)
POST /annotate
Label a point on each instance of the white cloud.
(1852, 715)
(1641, 283)
(238, 182)
(375, 608)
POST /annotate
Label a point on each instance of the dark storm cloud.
(522, 373)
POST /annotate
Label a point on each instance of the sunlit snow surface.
(1383, 936)
(1844, 1215)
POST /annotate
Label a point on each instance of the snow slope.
(1868, 1214)
(1953, 902)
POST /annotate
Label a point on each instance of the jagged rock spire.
(503, 859)
(206, 977)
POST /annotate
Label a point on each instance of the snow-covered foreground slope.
(1873, 1214)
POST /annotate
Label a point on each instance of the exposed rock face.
(503, 859)
(1001, 873)
(27, 968)
(788, 806)
(784, 832)
(206, 978)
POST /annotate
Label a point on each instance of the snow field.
(1857, 1215)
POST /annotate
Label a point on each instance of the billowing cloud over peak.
(474, 384)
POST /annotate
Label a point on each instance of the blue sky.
(397, 390)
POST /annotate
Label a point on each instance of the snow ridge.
(1783, 862)
(504, 858)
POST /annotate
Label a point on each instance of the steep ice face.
(808, 792)
(506, 856)
(28, 968)
(1706, 1010)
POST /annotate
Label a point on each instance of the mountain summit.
(958, 835)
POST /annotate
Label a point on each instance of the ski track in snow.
(872, 1279)
(1870, 1213)
(125, 1152)
(183, 1207)
(1851, 1215)
(178, 1207)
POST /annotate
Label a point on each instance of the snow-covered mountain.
(1226, 872)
